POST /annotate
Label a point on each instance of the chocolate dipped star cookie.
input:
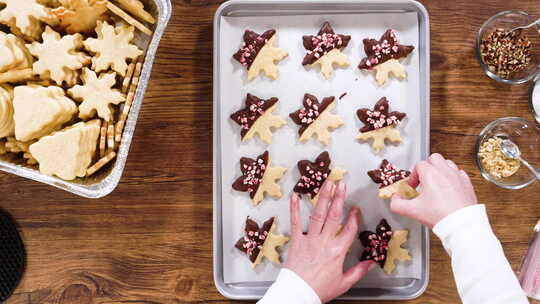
(259, 178)
(384, 246)
(314, 174)
(258, 54)
(380, 124)
(383, 56)
(315, 118)
(325, 49)
(392, 181)
(257, 118)
(261, 242)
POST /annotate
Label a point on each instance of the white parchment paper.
(345, 152)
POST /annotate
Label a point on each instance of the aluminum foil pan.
(105, 181)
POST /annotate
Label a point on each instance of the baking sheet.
(345, 151)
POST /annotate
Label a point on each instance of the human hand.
(445, 189)
(318, 256)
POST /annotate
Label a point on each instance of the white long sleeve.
(481, 270)
(290, 288)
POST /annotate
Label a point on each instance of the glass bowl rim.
(536, 81)
(483, 172)
(479, 56)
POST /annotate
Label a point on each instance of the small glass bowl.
(534, 93)
(508, 20)
(526, 135)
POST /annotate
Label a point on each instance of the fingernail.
(294, 196)
(328, 186)
(341, 186)
(372, 265)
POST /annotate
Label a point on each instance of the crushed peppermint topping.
(322, 43)
(384, 49)
(376, 243)
(251, 46)
(388, 174)
(311, 110)
(379, 120)
(313, 175)
(253, 240)
(252, 174)
(379, 117)
(255, 108)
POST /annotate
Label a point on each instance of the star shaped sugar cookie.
(316, 118)
(257, 118)
(261, 242)
(112, 48)
(324, 49)
(258, 54)
(80, 16)
(58, 58)
(259, 178)
(380, 125)
(384, 246)
(25, 17)
(392, 181)
(314, 174)
(383, 56)
(96, 95)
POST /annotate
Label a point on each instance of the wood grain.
(150, 240)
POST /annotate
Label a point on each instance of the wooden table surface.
(150, 241)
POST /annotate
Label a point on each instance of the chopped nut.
(494, 161)
(506, 52)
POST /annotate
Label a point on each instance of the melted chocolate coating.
(376, 243)
(252, 174)
(255, 108)
(325, 41)
(384, 49)
(313, 175)
(387, 174)
(311, 110)
(252, 242)
(379, 117)
(253, 43)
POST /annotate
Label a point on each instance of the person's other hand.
(445, 189)
(318, 256)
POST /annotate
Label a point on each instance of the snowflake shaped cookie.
(80, 16)
(384, 246)
(258, 54)
(257, 118)
(316, 118)
(58, 58)
(392, 181)
(25, 17)
(259, 178)
(261, 242)
(96, 95)
(325, 49)
(383, 56)
(314, 174)
(380, 125)
(112, 48)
